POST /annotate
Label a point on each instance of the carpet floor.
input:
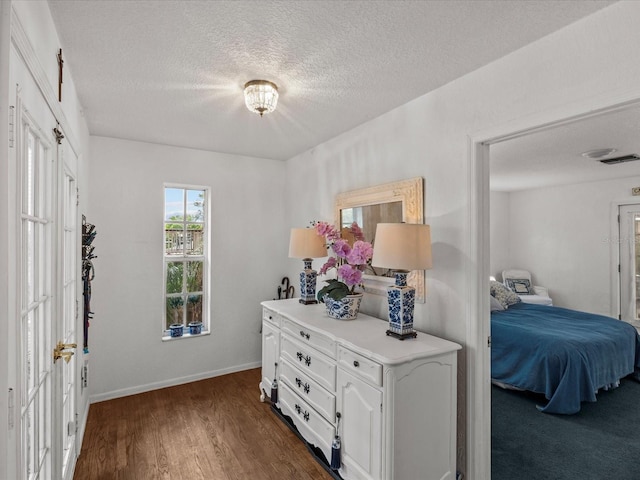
(601, 442)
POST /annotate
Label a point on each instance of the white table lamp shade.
(402, 246)
(306, 243)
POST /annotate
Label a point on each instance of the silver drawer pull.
(304, 334)
(356, 363)
(305, 386)
(305, 358)
(304, 413)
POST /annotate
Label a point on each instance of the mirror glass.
(387, 203)
(367, 217)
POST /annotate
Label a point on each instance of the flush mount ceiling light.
(261, 96)
(598, 153)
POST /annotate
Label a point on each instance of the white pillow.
(495, 304)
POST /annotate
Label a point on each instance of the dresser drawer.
(271, 317)
(365, 368)
(309, 390)
(317, 340)
(311, 425)
(309, 361)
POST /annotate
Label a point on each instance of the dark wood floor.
(214, 429)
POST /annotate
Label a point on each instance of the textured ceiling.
(553, 157)
(172, 72)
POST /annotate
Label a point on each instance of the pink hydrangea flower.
(360, 254)
(330, 263)
(326, 230)
(349, 261)
(341, 248)
(350, 275)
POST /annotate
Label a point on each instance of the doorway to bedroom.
(551, 210)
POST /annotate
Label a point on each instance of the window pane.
(173, 238)
(29, 187)
(29, 336)
(30, 439)
(174, 310)
(194, 276)
(174, 277)
(194, 308)
(30, 234)
(173, 204)
(194, 239)
(195, 205)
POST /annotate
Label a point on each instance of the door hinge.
(489, 341)
(77, 197)
(58, 133)
(618, 268)
(380, 408)
(10, 401)
(12, 125)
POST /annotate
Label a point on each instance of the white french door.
(69, 313)
(46, 248)
(629, 262)
(35, 154)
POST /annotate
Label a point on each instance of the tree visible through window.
(185, 255)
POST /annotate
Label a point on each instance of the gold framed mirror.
(387, 203)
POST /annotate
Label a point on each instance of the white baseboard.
(170, 382)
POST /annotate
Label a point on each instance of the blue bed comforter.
(564, 354)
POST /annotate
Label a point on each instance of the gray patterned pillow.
(505, 296)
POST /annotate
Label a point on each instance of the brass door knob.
(59, 351)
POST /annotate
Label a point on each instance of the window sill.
(169, 338)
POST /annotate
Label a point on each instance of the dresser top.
(365, 334)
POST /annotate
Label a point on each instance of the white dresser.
(396, 399)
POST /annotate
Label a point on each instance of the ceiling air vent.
(625, 158)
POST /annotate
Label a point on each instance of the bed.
(564, 354)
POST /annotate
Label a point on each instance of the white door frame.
(478, 358)
(615, 238)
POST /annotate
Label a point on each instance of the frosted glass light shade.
(306, 243)
(260, 96)
(402, 246)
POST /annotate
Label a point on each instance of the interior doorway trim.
(614, 253)
(478, 359)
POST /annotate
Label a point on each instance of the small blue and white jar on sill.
(176, 329)
(195, 328)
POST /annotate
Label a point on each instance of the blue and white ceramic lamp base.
(402, 299)
(308, 278)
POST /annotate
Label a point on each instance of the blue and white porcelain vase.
(402, 299)
(195, 328)
(176, 329)
(344, 309)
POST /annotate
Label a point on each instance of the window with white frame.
(185, 257)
